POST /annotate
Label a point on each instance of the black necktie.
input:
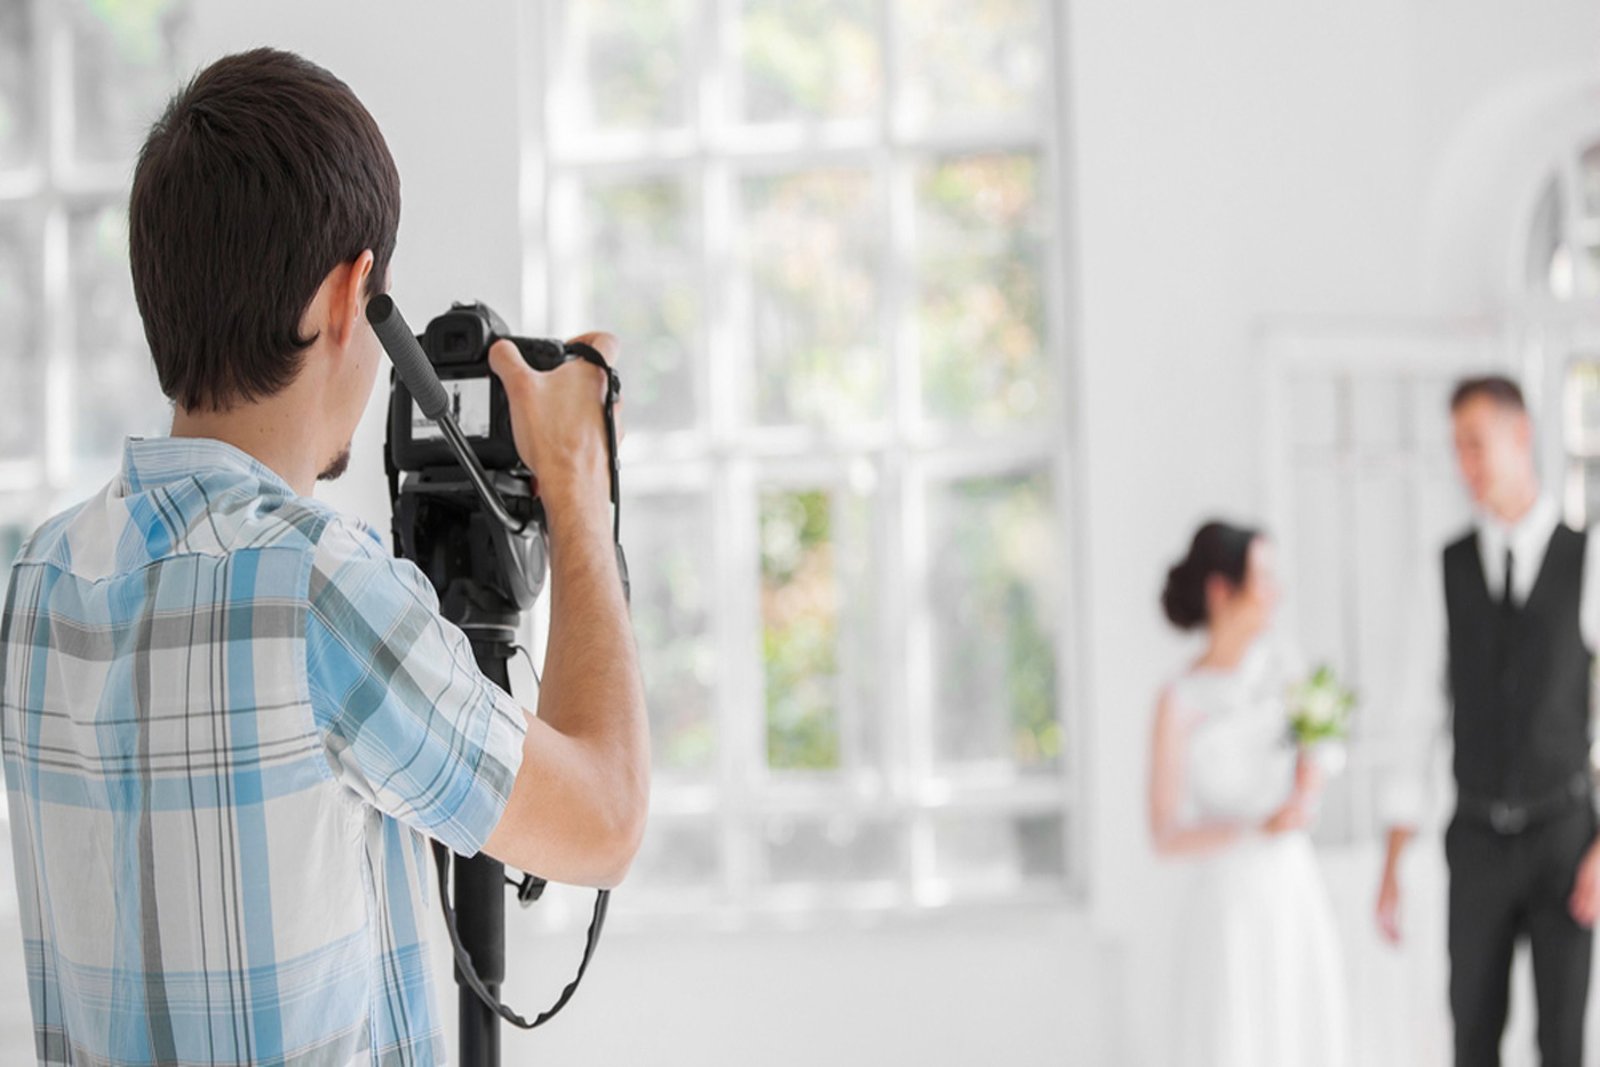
(1505, 598)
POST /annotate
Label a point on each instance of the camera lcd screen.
(469, 403)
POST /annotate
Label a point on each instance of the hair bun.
(1184, 598)
(1217, 548)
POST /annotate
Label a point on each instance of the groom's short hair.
(1496, 387)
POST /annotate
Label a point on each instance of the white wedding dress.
(1260, 980)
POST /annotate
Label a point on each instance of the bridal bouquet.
(1319, 709)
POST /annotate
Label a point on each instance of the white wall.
(1235, 161)
(1239, 162)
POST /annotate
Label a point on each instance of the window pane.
(838, 849)
(123, 69)
(809, 59)
(817, 630)
(1587, 266)
(1314, 405)
(642, 280)
(1320, 505)
(677, 854)
(813, 252)
(666, 535)
(1431, 432)
(1589, 175)
(994, 597)
(628, 65)
(115, 391)
(971, 60)
(1583, 408)
(1377, 413)
(18, 103)
(20, 339)
(980, 306)
(995, 852)
(1588, 475)
(1549, 266)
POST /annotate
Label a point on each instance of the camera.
(457, 346)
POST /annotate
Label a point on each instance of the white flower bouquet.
(1319, 717)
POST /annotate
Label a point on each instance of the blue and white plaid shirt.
(229, 719)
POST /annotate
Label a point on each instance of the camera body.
(485, 575)
(457, 345)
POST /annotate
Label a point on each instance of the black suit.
(1520, 695)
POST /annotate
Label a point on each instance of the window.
(828, 232)
(1563, 241)
(79, 83)
(1561, 300)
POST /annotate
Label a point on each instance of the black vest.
(1519, 679)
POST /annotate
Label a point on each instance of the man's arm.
(1585, 901)
(577, 809)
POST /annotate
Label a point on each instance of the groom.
(1509, 626)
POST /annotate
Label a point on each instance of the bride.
(1260, 980)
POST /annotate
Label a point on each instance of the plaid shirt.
(229, 719)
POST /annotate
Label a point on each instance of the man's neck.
(266, 431)
(1517, 506)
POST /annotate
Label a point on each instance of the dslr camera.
(457, 345)
(488, 566)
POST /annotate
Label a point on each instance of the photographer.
(230, 718)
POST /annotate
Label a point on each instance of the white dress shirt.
(1422, 717)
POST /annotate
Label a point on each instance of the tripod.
(479, 537)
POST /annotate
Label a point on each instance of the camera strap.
(469, 973)
(589, 354)
(532, 886)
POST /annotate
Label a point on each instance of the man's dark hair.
(1496, 387)
(263, 174)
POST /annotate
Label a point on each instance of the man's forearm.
(1399, 838)
(592, 690)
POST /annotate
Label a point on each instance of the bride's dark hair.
(1217, 548)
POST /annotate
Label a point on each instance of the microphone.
(409, 358)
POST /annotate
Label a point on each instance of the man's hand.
(557, 421)
(1388, 909)
(1585, 902)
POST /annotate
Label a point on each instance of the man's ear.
(349, 297)
(1524, 429)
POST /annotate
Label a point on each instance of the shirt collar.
(1529, 534)
(149, 462)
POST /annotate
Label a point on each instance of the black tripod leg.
(480, 892)
(480, 895)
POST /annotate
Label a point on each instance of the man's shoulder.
(48, 542)
(1465, 540)
(107, 534)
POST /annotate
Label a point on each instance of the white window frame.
(728, 456)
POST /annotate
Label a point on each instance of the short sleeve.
(411, 724)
